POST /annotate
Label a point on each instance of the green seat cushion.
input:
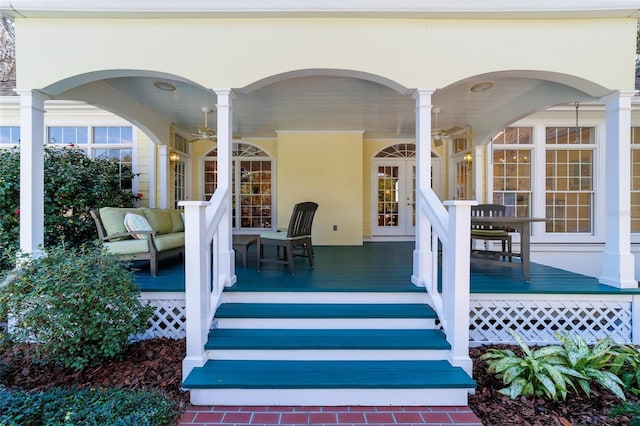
(159, 219)
(127, 246)
(112, 218)
(489, 233)
(177, 224)
(169, 241)
(278, 236)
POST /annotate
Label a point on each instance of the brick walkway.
(334, 416)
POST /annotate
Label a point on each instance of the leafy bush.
(592, 362)
(540, 372)
(627, 367)
(627, 409)
(74, 184)
(87, 407)
(79, 304)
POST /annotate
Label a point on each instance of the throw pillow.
(135, 222)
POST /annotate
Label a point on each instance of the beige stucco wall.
(411, 52)
(326, 168)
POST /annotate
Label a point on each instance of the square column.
(422, 254)
(225, 153)
(32, 141)
(618, 264)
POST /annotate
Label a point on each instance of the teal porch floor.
(378, 267)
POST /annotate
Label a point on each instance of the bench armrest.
(127, 234)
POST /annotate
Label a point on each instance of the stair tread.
(324, 310)
(256, 374)
(326, 339)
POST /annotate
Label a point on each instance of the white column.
(164, 176)
(32, 140)
(422, 254)
(225, 152)
(617, 261)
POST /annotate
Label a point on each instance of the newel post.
(197, 279)
(456, 289)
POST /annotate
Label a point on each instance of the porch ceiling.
(338, 103)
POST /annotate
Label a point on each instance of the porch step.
(280, 382)
(325, 315)
(322, 344)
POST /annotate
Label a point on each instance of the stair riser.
(327, 323)
(331, 397)
(328, 297)
(328, 355)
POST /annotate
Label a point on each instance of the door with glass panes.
(393, 201)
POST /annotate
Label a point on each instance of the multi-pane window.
(569, 196)
(512, 150)
(9, 135)
(180, 170)
(462, 169)
(114, 142)
(252, 185)
(635, 179)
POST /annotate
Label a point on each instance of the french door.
(393, 196)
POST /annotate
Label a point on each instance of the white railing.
(450, 246)
(208, 269)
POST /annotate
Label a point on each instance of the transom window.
(569, 196)
(252, 183)
(512, 148)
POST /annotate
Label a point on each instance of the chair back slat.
(301, 219)
(492, 210)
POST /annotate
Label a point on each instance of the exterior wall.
(144, 150)
(325, 168)
(413, 50)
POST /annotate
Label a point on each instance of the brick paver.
(334, 416)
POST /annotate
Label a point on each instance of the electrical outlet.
(335, 227)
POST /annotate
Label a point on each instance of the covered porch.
(500, 297)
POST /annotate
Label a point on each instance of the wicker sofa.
(144, 234)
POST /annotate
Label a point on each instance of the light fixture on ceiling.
(164, 85)
(481, 87)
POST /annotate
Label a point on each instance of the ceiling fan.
(439, 135)
(204, 132)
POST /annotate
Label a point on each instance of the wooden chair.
(491, 233)
(296, 241)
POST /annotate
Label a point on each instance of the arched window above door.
(400, 150)
(252, 185)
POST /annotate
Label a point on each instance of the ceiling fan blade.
(454, 130)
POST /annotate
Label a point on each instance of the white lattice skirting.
(538, 317)
(169, 319)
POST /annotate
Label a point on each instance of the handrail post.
(456, 290)
(197, 281)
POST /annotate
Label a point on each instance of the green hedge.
(86, 407)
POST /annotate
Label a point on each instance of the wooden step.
(325, 315)
(294, 339)
(329, 382)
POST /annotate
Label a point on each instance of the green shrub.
(80, 305)
(627, 367)
(540, 372)
(86, 407)
(627, 409)
(73, 185)
(593, 362)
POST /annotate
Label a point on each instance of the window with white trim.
(252, 183)
(180, 170)
(107, 142)
(635, 179)
(569, 187)
(9, 135)
(512, 148)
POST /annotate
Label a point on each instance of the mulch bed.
(157, 364)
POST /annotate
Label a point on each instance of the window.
(180, 170)
(99, 142)
(635, 179)
(569, 196)
(9, 135)
(512, 150)
(252, 183)
(463, 170)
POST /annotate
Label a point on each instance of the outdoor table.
(241, 243)
(522, 225)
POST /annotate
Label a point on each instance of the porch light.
(173, 157)
(468, 157)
